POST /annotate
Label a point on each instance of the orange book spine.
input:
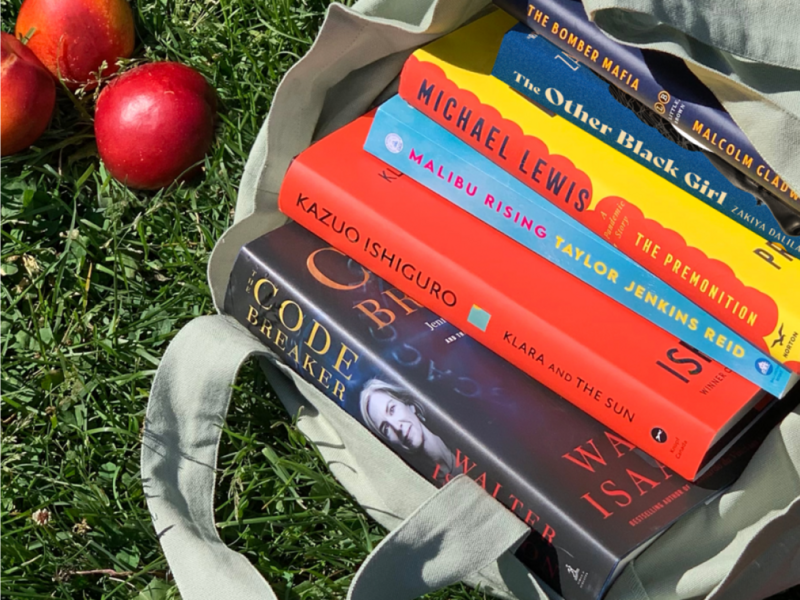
(615, 365)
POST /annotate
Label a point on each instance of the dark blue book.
(664, 84)
(559, 83)
(447, 405)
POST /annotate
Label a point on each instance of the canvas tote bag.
(743, 545)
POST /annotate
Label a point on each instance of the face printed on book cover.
(397, 421)
(395, 415)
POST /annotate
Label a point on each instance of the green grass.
(97, 279)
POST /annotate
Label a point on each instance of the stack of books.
(510, 272)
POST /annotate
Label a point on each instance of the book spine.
(556, 81)
(412, 143)
(565, 24)
(308, 336)
(753, 292)
(619, 395)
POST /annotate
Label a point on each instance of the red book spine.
(615, 365)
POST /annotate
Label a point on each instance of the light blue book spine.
(537, 69)
(416, 146)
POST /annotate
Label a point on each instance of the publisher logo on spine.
(478, 317)
(578, 575)
(394, 143)
(664, 97)
(763, 366)
(781, 339)
(658, 435)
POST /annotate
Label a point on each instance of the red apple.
(73, 37)
(27, 96)
(154, 123)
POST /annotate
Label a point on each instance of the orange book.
(675, 403)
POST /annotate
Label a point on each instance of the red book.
(673, 402)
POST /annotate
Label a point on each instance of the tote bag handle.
(457, 531)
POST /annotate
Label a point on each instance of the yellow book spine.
(750, 284)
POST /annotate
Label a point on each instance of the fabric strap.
(457, 531)
(185, 414)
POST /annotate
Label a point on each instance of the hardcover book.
(448, 406)
(410, 142)
(745, 281)
(663, 83)
(556, 81)
(665, 396)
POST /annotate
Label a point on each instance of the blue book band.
(665, 84)
(554, 80)
(412, 143)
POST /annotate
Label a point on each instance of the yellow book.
(750, 284)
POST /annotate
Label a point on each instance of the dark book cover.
(447, 406)
(665, 85)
